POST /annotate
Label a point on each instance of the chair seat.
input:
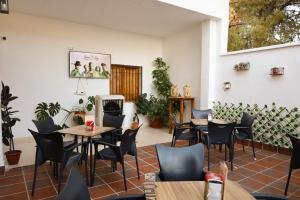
(107, 154)
(202, 128)
(69, 143)
(242, 135)
(186, 136)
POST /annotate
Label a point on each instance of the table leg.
(192, 107)
(181, 111)
(170, 119)
(91, 159)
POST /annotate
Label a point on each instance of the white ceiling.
(148, 17)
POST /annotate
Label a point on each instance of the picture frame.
(89, 65)
(4, 6)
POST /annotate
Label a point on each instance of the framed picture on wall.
(89, 65)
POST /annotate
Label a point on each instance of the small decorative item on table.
(174, 91)
(89, 122)
(277, 71)
(149, 186)
(187, 91)
(215, 183)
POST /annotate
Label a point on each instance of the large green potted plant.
(8, 122)
(156, 108)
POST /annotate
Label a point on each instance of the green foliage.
(44, 110)
(7, 115)
(156, 107)
(263, 23)
(89, 106)
(161, 79)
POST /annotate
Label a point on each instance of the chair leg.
(137, 166)
(225, 153)
(189, 142)
(124, 176)
(172, 142)
(231, 155)
(254, 157)
(86, 170)
(243, 145)
(54, 170)
(208, 157)
(34, 179)
(288, 181)
(60, 176)
(220, 148)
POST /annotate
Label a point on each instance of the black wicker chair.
(244, 131)
(220, 134)
(201, 114)
(75, 188)
(295, 159)
(116, 153)
(181, 164)
(50, 147)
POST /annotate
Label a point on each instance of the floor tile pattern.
(267, 174)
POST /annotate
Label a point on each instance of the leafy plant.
(44, 110)
(161, 79)
(89, 106)
(8, 120)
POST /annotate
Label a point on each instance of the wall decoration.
(227, 86)
(187, 91)
(272, 123)
(242, 66)
(89, 65)
(174, 91)
(275, 71)
(4, 6)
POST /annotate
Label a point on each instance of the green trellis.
(272, 123)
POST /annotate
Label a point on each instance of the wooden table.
(181, 100)
(183, 190)
(81, 131)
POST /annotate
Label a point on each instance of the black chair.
(75, 188)
(129, 197)
(220, 134)
(244, 130)
(183, 131)
(112, 121)
(116, 153)
(181, 164)
(261, 196)
(295, 159)
(50, 147)
(201, 114)
(48, 126)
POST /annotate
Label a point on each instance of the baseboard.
(2, 170)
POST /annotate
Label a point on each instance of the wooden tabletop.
(81, 130)
(183, 190)
(204, 122)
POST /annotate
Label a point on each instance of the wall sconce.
(4, 6)
(227, 86)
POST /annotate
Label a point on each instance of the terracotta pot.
(156, 123)
(13, 157)
(134, 125)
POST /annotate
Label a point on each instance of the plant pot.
(134, 125)
(156, 123)
(13, 157)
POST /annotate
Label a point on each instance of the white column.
(208, 63)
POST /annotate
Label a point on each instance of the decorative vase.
(13, 156)
(187, 91)
(174, 91)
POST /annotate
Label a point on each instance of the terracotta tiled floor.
(267, 174)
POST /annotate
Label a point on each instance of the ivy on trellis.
(272, 123)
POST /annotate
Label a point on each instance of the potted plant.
(135, 121)
(45, 110)
(81, 110)
(8, 121)
(156, 108)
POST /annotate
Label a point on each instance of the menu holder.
(149, 186)
(215, 184)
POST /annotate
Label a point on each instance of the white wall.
(34, 60)
(182, 51)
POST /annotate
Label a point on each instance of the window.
(263, 23)
(127, 81)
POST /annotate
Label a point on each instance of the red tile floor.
(267, 174)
